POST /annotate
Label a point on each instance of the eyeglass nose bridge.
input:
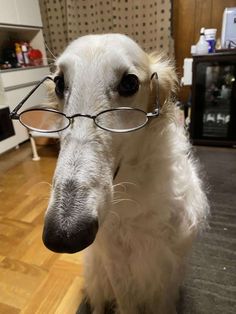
(81, 115)
(72, 118)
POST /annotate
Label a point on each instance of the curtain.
(147, 22)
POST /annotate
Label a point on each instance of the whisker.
(123, 200)
(46, 183)
(124, 185)
(129, 183)
(119, 193)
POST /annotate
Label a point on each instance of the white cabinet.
(20, 12)
(8, 12)
(17, 84)
(26, 76)
(28, 12)
(21, 20)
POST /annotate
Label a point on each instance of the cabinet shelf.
(23, 69)
(12, 27)
(34, 36)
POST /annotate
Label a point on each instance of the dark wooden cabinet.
(213, 114)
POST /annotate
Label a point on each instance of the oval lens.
(121, 119)
(43, 120)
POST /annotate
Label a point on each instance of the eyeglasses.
(118, 120)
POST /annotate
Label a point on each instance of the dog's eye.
(60, 85)
(129, 85)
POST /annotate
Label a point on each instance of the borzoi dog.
(126, 186)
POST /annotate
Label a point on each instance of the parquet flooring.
(32, 279)
(35, 280)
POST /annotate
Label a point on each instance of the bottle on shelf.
(19, 54)
(210, 35)
(202, 44)
(24, 49)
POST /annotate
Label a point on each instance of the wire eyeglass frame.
(14, 115)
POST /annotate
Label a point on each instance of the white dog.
(141, 224)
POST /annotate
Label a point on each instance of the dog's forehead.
(114, 50)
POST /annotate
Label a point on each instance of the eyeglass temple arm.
(156, 111)
(13, 114)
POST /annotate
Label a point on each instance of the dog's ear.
(167, 78)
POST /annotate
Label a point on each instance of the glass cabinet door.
(214, 100)
(219, 86)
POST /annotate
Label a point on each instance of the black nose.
(70, 238)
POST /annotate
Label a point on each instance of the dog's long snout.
(69, 225)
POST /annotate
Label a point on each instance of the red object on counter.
(35, 56)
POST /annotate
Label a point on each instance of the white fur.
(149, 216)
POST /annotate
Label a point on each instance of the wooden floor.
(32, 279)
(35, 280)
